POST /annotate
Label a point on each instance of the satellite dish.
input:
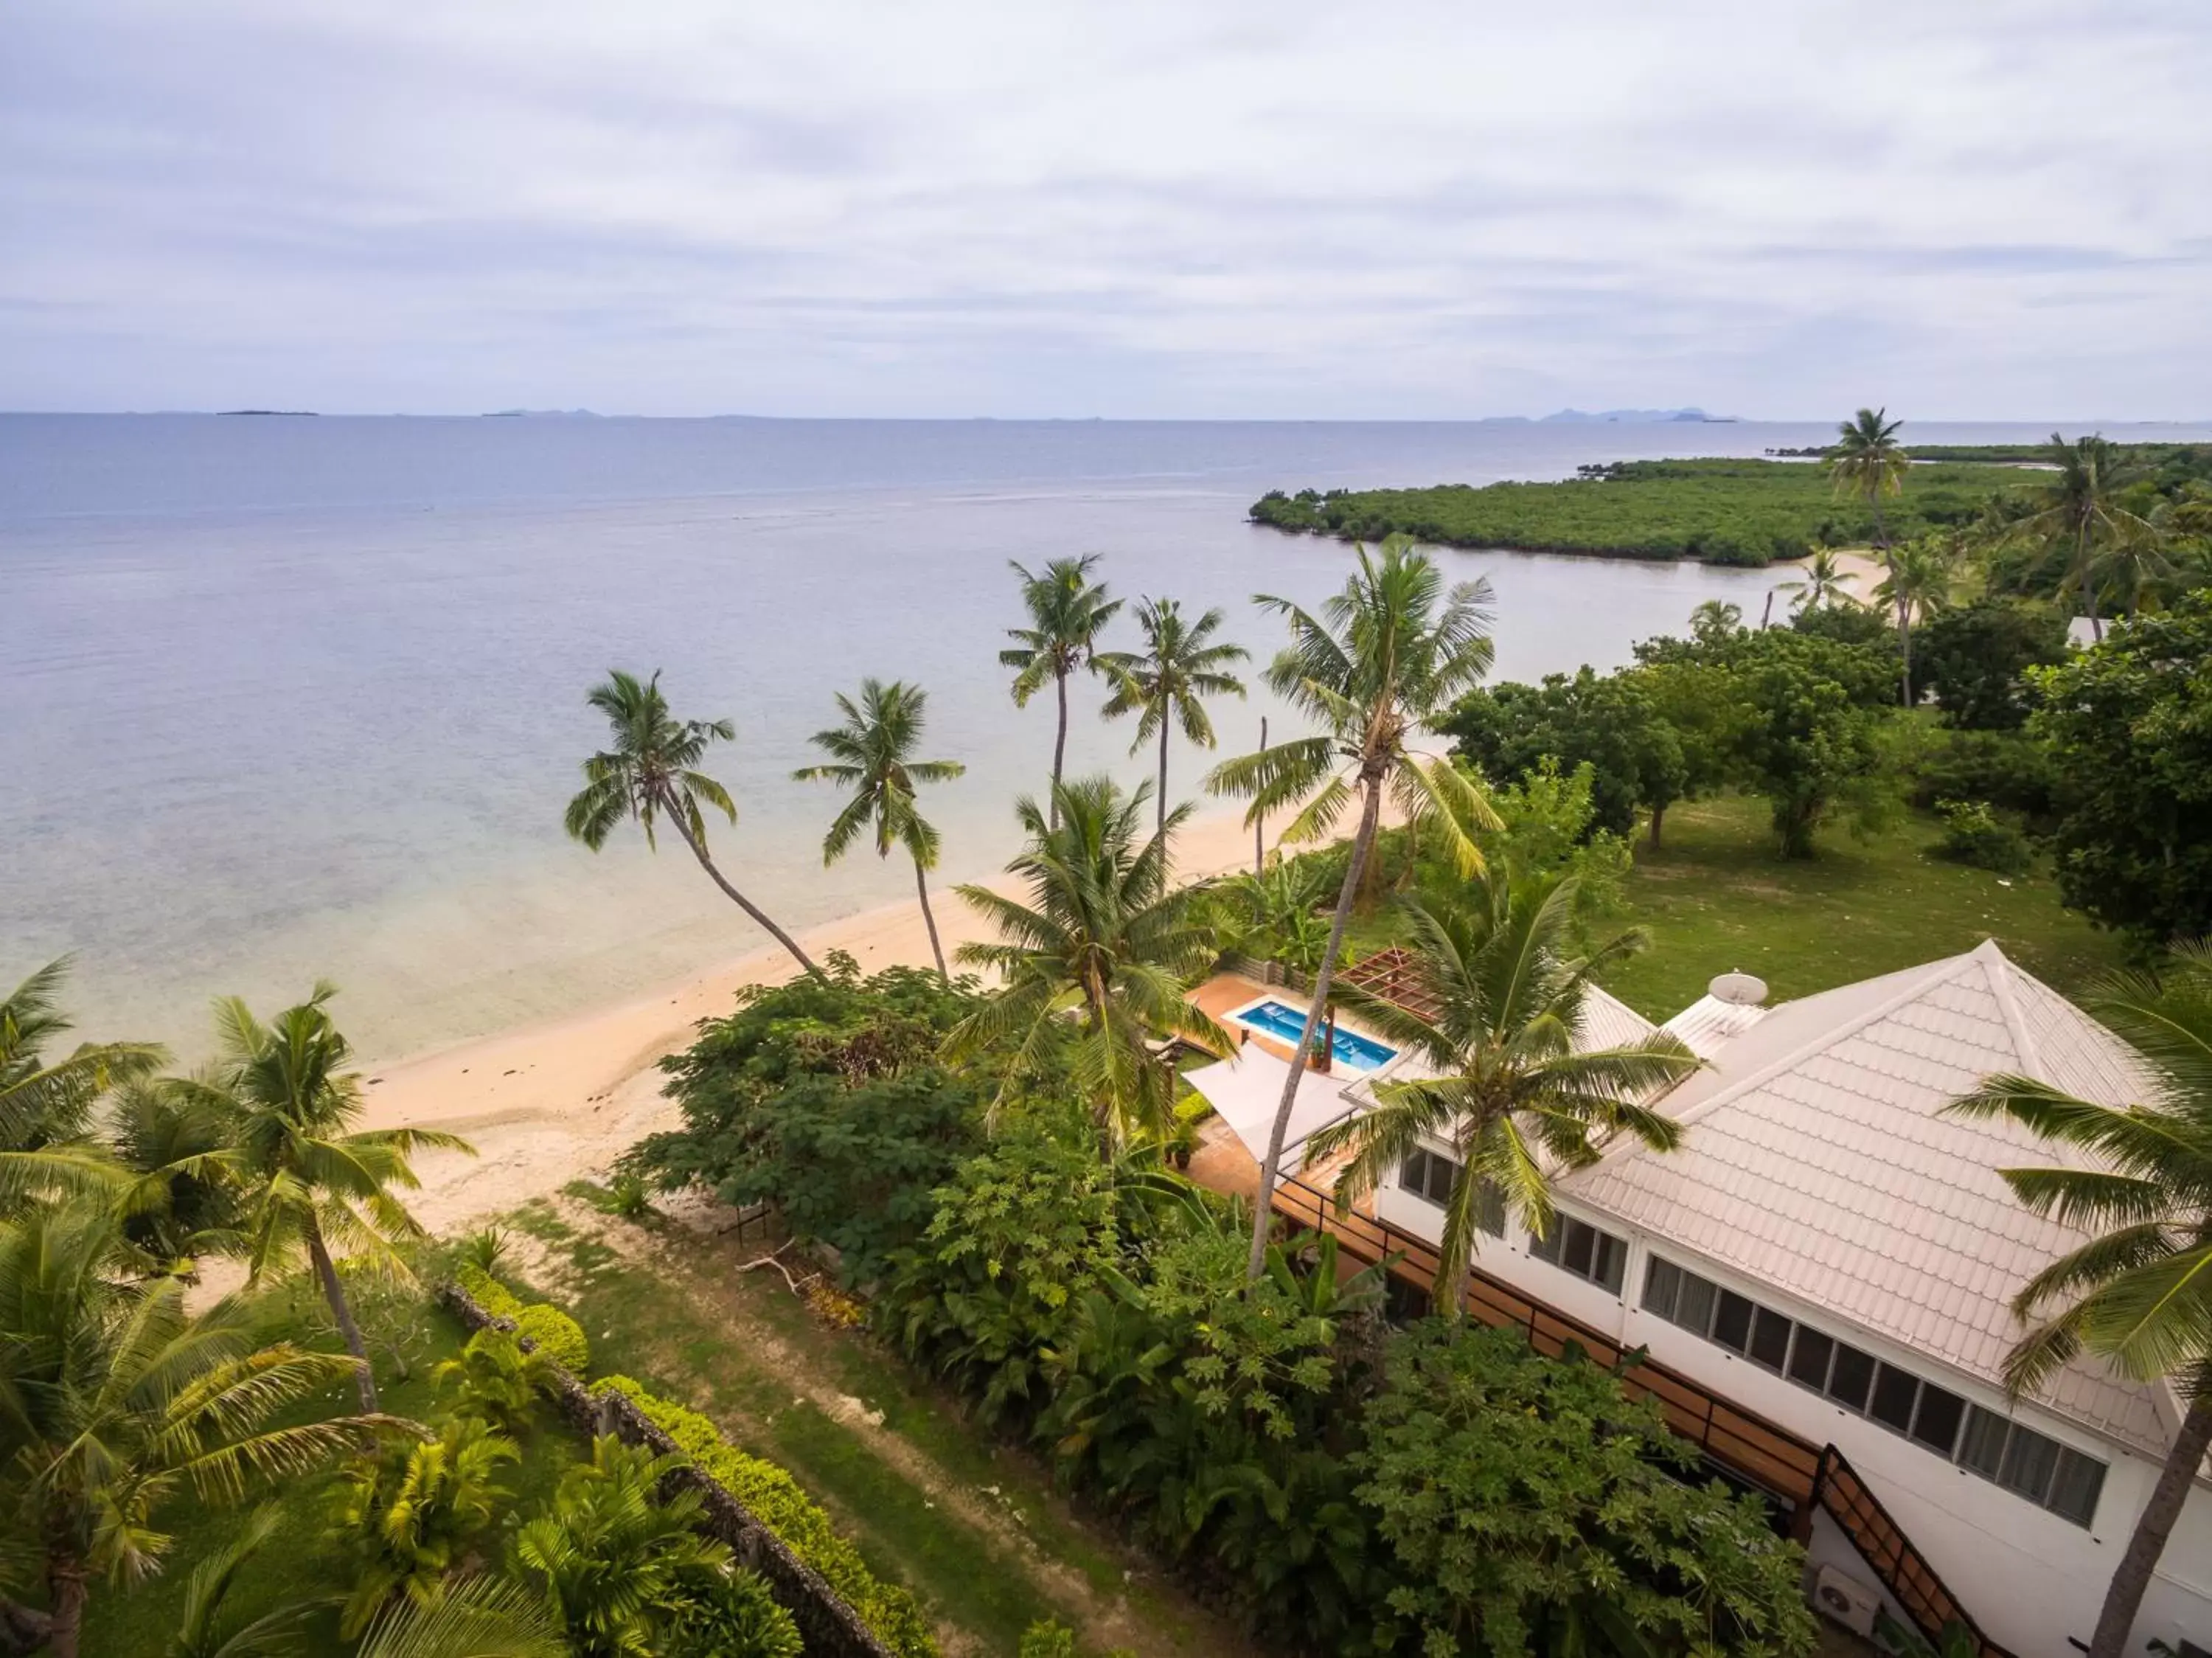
(1738, 990)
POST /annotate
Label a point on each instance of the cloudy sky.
(1205, 208)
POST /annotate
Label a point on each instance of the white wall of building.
(2033, 1579)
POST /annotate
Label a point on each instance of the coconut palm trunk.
(1371, 813)
(326, 1274)
(929, 919)
(1162, 803)
(1059, 743)
(2132, 1577)
(66, 1589)
(1905, 646)
(1259, 823)
(677, 816)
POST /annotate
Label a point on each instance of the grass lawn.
(931, 1501)
(1716, 897)
(299, 1563)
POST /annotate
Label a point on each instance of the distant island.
(1743, 512)
(1693, 417)
(540, 414)
(288, 414)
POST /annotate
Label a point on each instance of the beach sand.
(550, 1103)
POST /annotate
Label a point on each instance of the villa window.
(2050, 1475)
(1429, 1175)
(1578, 1248)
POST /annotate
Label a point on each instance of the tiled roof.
(1816, 1160)
(1709, 1024)
(1608, 1022)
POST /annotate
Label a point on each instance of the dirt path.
(756, 1327)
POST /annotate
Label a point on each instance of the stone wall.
(829, 1627)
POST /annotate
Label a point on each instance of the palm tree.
(1826, 582)
(309, 1182)
(50, 1102)
(614, 1562)
(480, 1617)
(2138, 1294)
(114, 1398)
(411, 1516)
(1166, 684)
(202, 1631)
(1103, 934)
(1511, 1096)
(1067, 612)
(2080, 509)
(1868, 462)
(873, 755)
(1919, 577)
(1383, 657)
(168, 1137)
(651, 773)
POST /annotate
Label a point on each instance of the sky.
(1779, 208)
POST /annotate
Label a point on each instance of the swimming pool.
(1286, 1024)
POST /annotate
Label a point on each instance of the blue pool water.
(1287, 1024)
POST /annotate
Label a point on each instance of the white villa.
(1822, 1276)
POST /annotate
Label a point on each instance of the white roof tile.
(1816, 1160)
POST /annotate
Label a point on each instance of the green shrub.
(556, 1335)
(775, 1499)
(1047, 1639)
(1973, 834)
(738, 1619)
(488, 1292)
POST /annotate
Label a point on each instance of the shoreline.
(553, 1101)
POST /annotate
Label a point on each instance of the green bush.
(1048, 1639)
(1973, 834)
(775, 1499)
(556, 1335)
(738, 1619)
(488, 1292)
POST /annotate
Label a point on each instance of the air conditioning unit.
(1843, 1598)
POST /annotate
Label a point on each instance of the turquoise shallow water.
(288, 697)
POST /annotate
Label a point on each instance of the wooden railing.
(1800, 1474)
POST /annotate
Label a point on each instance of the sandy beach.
(550, 1103)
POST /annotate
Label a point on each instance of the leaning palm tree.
(873, 755)
(1380, 659)
(1511, 1095)
(50, 1102)
(2139, 1293)
(309, 1183)
(1919, 577)
(1866, 460)
(114, 1398)
(1166, 683)
(1103, 936)
(1067, 612)
(652, 772)
(1826, 582)
(2080, 510)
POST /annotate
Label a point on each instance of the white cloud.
(1282, 209)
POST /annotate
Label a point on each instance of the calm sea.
(288, 697)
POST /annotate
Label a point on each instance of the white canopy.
(1246, 1090)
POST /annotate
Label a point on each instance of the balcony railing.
(1801, 1475)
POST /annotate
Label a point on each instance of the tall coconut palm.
(115, 1398)
(1104, 935)
(1826, 582)
(2080, 510)
(1067, 612)
(46, 1101)
(1380, 661)
(168, 1137)
(1166, 684)
(309, 1182)
(2139, 1293)
(1511, 1095)
(652, 772)
(1866, 460)
(873, 755)
(1918, 578)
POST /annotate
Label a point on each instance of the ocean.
(285, 698)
